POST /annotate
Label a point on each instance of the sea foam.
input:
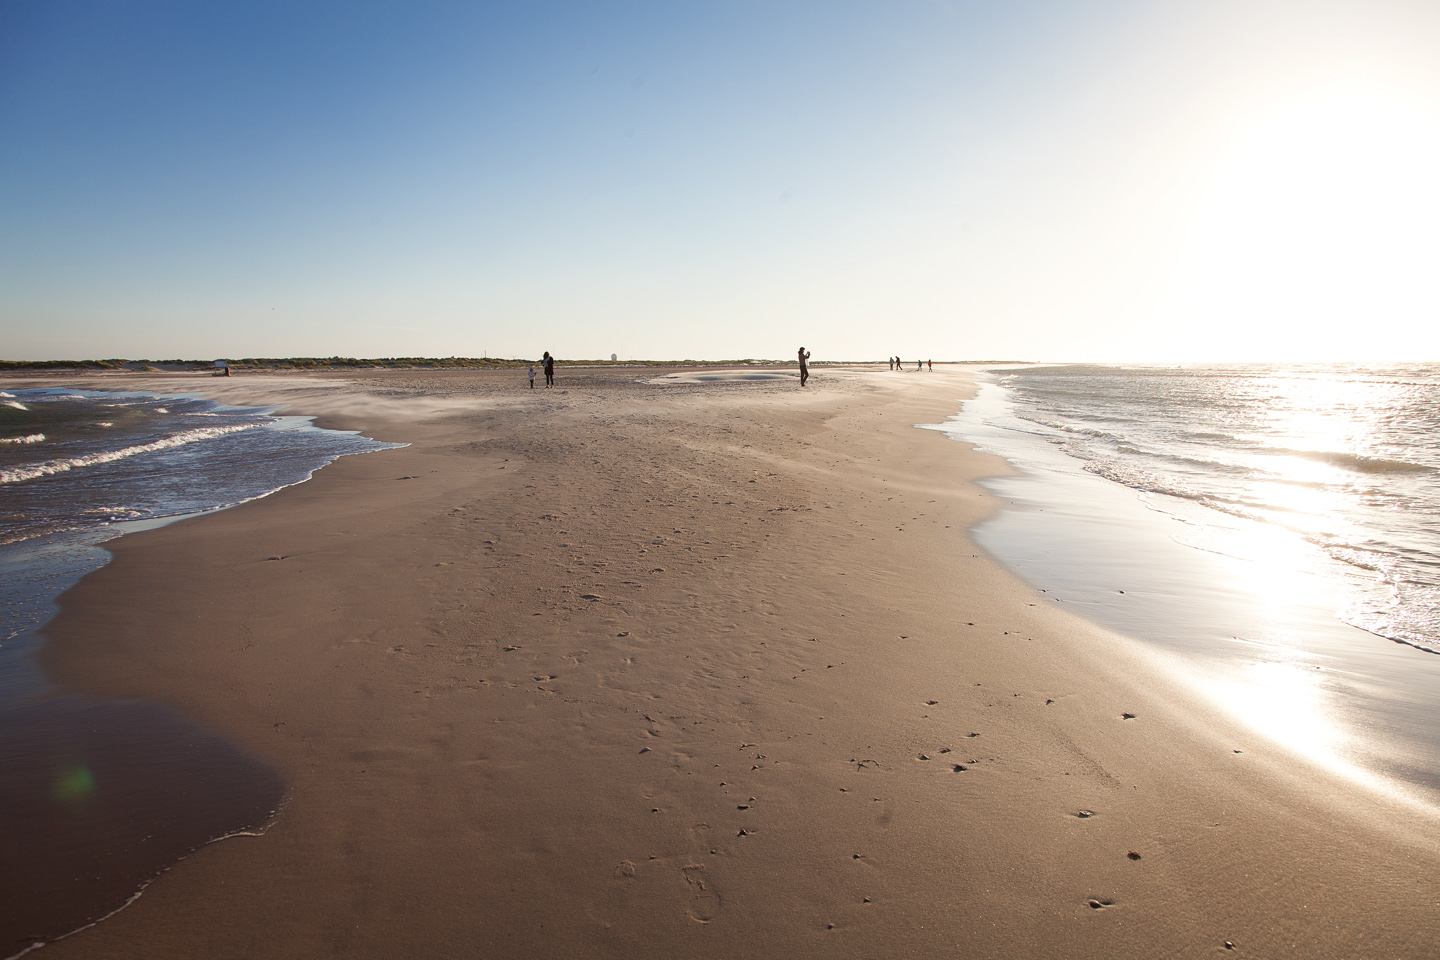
(50, 467)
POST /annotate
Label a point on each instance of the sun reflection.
(1310, 434)
(1286, 700)
(1277, 576)
(1283, 699)
(1318, 418)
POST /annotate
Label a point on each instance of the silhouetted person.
(548, 362)
(804, 369)
(918, 365)
(930, 366)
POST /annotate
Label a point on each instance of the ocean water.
(1278, 526)
(78, 467)
(99, 797)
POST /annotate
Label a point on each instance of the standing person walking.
(804, 369)
(548, 362)
(532, 376)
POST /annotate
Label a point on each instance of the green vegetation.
(64, 364)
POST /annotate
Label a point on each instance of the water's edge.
(1340, 696)
(88, 781)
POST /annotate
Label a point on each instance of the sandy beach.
(694, 668)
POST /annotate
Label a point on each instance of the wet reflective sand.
(98, 798)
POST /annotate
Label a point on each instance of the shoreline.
(1272, 648)
(101, 795)
(586, 678)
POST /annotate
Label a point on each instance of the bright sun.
(1318, 237)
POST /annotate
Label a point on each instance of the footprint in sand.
(704, 902)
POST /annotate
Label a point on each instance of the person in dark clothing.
(804, 369)
(548, 362)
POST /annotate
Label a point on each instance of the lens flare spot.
(75, 786)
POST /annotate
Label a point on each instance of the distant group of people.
(547, 363)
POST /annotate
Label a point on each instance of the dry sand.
(697, 669)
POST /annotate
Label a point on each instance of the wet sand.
(696, 669)
(98, 798)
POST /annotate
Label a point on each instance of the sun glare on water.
(1300, 427)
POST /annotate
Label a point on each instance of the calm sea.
(1277, 525)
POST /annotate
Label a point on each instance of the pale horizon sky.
(1114, 180)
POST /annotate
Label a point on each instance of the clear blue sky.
(1111, 180)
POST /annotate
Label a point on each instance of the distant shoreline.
(396, 363)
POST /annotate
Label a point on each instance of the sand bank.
(697, 669)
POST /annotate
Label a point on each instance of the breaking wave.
(50, 467)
